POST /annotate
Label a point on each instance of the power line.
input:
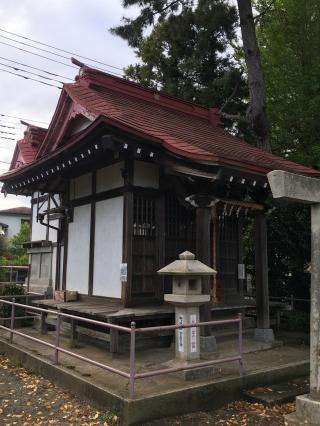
(37, 69)
(61, 50)
(11, 122)
(7, 133)
(37, 54)
(9, 139)
(7, 127)
(44, 50)
(30, 78)
(50, 59)
(32, 73)
(24, 119)
(5, 162)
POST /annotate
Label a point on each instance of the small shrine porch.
(264, 364)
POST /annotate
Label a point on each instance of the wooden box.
(66, 296)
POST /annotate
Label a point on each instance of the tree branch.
(234, 117)
(167, 7)
(226, 102)
(264, 12)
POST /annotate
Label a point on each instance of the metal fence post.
(58, 327)
(240, 345)
(132, 359)
(13, 309)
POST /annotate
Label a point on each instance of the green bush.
(9, 290)
(299, 321)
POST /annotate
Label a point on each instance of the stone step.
(280, 393)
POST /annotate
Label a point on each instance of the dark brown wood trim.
(127, 234)
(160, 241)
(41, 198)
(203, 222)
(92, 233)
(116, 192)
(65, 243)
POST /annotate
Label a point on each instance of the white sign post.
(306, 190)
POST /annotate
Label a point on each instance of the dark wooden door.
(228, 258)
(146, 249)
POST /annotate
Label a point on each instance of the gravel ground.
(30, 400)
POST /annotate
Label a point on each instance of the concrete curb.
(208, 396)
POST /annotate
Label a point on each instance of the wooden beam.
(92, 234)
(203, 250)
(261, 272)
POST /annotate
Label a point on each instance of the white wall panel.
(38, 231)
(110, 177)
(146, 174)
(108, 248)
(78, 250)
(81, 186)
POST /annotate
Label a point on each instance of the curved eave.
(175, 147)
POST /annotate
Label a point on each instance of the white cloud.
(77, 26)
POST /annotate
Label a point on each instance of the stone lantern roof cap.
(187, 265)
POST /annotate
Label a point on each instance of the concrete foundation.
(158, 396)
(208, 344)
(264, 335)
(307, 412)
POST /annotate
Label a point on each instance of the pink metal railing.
(132, 375)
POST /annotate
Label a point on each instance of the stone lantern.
(187, 297)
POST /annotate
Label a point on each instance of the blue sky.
(78, 26)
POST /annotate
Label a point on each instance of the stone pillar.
(315, 303)
(308, 406)
(263, 332)
(203, 250)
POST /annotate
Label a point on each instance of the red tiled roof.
(26, 149)
(184, 128)
(190, 133)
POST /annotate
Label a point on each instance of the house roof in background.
(23, 211)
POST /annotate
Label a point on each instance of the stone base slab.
(307, 412)
(264, 335)
(208, 344)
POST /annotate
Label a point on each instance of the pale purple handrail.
(132, 375)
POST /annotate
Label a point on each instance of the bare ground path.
(30, 400)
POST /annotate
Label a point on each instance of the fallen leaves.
(34, 401)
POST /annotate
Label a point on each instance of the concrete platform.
(161, 395)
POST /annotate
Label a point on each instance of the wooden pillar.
(203, 245)
(261, 272)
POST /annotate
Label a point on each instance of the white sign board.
(123, 272)
(193, 334)
(180, 333)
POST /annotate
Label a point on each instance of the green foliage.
(15, 245)
(9, 290)
(289, 250)
(3, 245)
(298, 321)
(289, 38)
(185, 49)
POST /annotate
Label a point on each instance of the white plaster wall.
(38, 231)
(13, 222)
(81, 186)
(109, 177)
(146, 174)
(53, 234)
(78, 250)
(54, 266)
(108, 248)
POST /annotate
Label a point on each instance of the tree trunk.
(257, 111)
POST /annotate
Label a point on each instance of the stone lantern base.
(307, 412)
